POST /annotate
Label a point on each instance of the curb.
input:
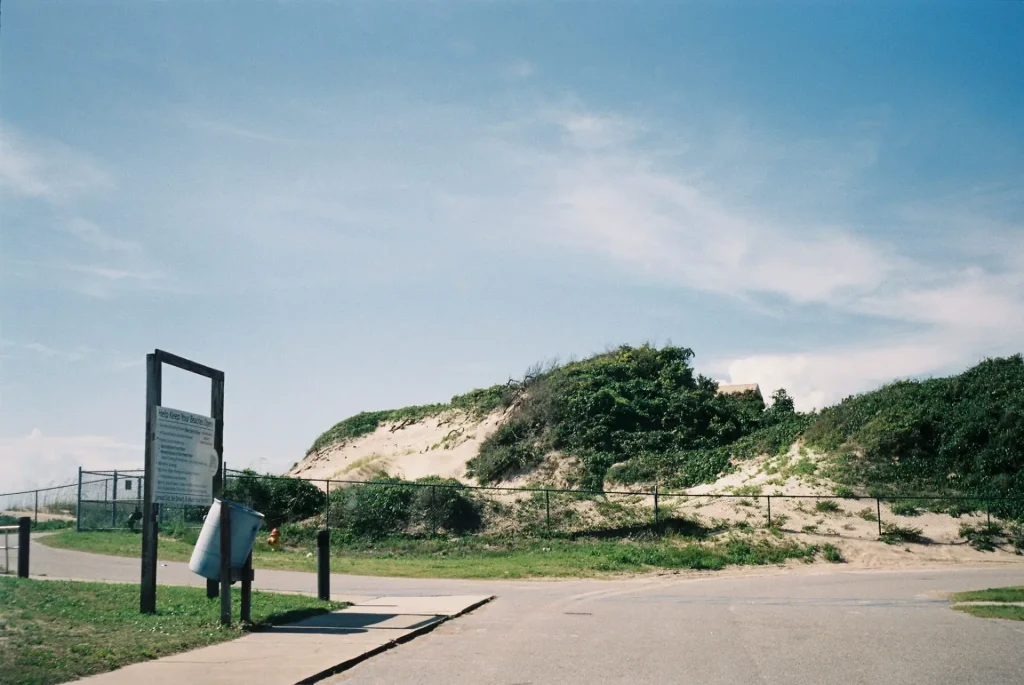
(349, 663)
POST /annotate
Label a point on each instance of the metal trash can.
(245, 526)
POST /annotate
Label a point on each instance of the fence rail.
(109, 500)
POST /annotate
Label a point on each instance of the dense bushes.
(280, 500)
(389, 506)
(963, 434)
(642, 403)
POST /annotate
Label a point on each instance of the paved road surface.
(819, 625)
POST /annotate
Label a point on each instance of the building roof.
(739, 389)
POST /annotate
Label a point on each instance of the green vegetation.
(905, 508)
(643, 410)
(52, 524)
(1010, 612)
(280, 500)
(826, 506)
(56, 631)
(997, 594)
(1013, 612)
(831, 553)
(893, 534)
(962, 434)
(868, 514)
(478, 556)
(843, 491)
(478, 402)
(641, 415)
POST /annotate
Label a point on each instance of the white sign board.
(183, 457)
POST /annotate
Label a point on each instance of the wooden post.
(323, 565)
(225, 563)
(219, 480)
(147, 594)
(24, 526)
(246, 609)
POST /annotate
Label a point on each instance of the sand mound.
(436, 446)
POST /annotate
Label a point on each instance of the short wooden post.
(323, 565)
(24, 526)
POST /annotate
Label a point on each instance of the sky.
(363, 205)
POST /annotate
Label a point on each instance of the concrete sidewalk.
(302, 652)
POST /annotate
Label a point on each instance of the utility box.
(245, 526)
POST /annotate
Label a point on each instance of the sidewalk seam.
(349, 663)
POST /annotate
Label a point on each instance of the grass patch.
(831, 553)
(868, 514)
(826, 506)
(483, 557)
(843, 491)
(893, 534)
(1009, 612)
(995, 594)
(984, 537)
(55, 631)
(905, 508)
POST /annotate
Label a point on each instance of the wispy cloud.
(89, 233)
(46, 169)
(37, 459)
(47, 351)
(219, 127)
(520, 69)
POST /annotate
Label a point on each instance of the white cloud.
(39, 460)
(819, 378)
(46, 169)
(92, 235)
(217, 127)
(520, 69)
(47, 351)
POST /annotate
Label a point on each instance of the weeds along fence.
(49, 505)
(112, 500)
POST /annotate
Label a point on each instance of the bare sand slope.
(436, 446)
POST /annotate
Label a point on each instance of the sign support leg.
(225, 563)
(147, 594)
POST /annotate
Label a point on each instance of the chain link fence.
(112, 500)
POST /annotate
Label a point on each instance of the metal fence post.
(657, 518)
(78, 505)
(769, 510)
(878, 507)
(547, 508)
(37, 507)
(988, 510)
(113, 508)
(327, 506)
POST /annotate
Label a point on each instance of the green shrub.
(374, 509)
(984, 537)
(831, 553)
(868, 514)
(280, 500)
(962, 434)
(446, 506)
(905, 508)
(843, 491)
(894, 534)
(826, 506)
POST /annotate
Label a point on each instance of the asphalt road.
(817, 625)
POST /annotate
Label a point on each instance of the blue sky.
(352, 206)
